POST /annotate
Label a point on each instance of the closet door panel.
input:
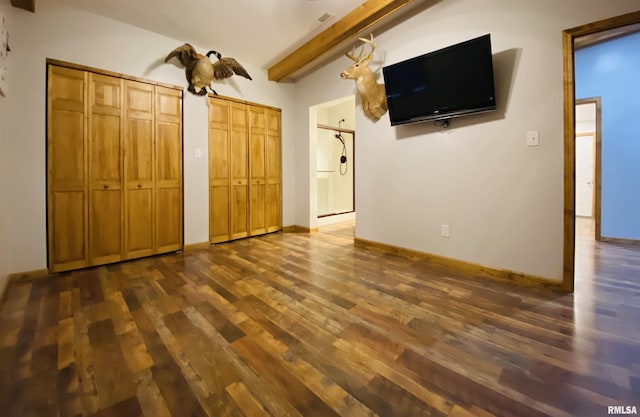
(105, 169)
(168, 166)
(67, 169)
(169, 210)
(67, 230)
(219, 214)
(105, 224)
(273, 207)
(169, 147)
(139, 170)
(273, 198)
(140, 234)
(219, 165)
(67, 149)
(239, 171)
(257, 170)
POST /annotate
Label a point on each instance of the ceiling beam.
(29, 5)
(359, 19)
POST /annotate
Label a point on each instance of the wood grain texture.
(292, 324)
(362, 17)
(72, 65)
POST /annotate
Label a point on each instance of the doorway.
(616, 26)
(335, 173)
(332, 159)
(588, 156)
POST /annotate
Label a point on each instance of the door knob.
(106, 186)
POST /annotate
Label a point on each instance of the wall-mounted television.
(450, 82)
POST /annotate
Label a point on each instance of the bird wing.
(226, 67)
(186, 55)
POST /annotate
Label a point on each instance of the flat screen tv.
(450, 82)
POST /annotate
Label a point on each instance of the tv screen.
(450, 82)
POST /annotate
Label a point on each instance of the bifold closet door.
(273, 191)
(239, 171)
(244, 170)
(139, 169)
(68, 223)
(257, 170)
(219, 147)
(114, 167)
(105, 169)
(168, 158)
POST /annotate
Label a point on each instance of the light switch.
(198, 153)
(533, 138)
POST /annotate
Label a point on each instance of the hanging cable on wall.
(344, 165)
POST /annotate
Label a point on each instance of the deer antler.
(371, 44)
(351, 55)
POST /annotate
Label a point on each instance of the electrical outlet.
(444, 230)
(533, 138)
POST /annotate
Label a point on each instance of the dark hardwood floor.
(309, 325)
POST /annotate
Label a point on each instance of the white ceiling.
(257, 31)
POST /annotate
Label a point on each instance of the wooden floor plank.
(299, 325)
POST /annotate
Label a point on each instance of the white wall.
(502, 200)
(58, 32)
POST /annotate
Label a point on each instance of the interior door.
(168, 169)
(105, 169)
(139, 169)
(273, 198)
(219, 226)
(66, 167)
(257, 170)
(239, 171)
(584, 175)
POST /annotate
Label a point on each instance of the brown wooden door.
(139, 170)
(273, 192)
(168, 166)
(257, 170)
(239, 171)
(67, 169)
(219, 147)
(105, 169)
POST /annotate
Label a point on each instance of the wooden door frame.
(568, 50)
(597, 175)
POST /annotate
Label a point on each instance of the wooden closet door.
(219, 147)
(139, 170)
(257, 170)
(67, 169)
(105, 169)
(239, 171)
(273, 193)
(168, 159)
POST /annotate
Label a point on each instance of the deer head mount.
(372, 95)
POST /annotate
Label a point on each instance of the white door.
(584, 175)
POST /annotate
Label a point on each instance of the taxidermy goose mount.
(200, 71)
